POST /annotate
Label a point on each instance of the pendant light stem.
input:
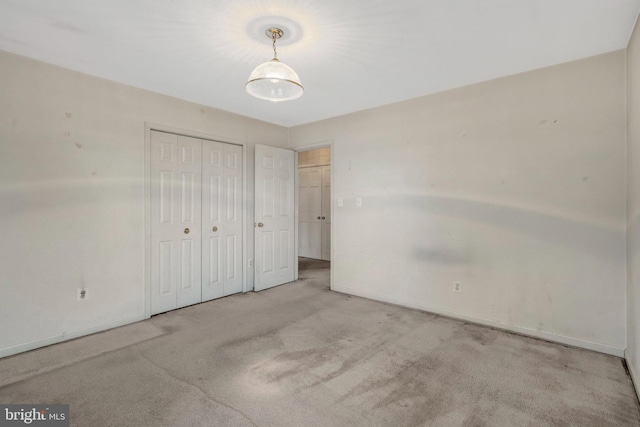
(274, 33)
(275, 54)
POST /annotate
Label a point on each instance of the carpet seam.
(207, 395)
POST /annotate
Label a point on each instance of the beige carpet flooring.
(302, 355)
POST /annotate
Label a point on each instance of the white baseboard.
(32, 345)
(632, 371)
(575, 342)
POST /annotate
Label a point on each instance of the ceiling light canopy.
(273, 80)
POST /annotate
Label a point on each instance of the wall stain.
(453, 238)
(439, 256)
(543, 123)
(77, 144)
(64, 25)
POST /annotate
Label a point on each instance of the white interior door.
(175, 221)
(309, 212)
(274, 217)
(326, 213)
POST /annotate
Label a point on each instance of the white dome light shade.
(274, 81)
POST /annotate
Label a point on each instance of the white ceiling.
(350, 54)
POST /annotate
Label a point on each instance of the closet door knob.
(214, 229)
(318, 217)
(186, 231)
(260, 224)
(323, 218)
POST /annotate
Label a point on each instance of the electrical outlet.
(457, 287)
(250, 263)
(358, 202)
(83, 294)
(340, 202)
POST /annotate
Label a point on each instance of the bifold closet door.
(221, 219)
(175, 221)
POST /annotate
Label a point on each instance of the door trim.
(148, 127)
(309, 147)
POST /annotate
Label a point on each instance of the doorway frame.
(148, 127)
(308, 147)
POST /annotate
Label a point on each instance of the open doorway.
(314, 214)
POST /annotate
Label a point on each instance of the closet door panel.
(190, 206)
(175, 221)
(213, 210)
(164, 233)
(232, 227)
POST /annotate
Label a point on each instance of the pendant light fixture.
(273, 80)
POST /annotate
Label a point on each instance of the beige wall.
(514, 187)
(72, 211)
(633, 205)
(317, 157)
